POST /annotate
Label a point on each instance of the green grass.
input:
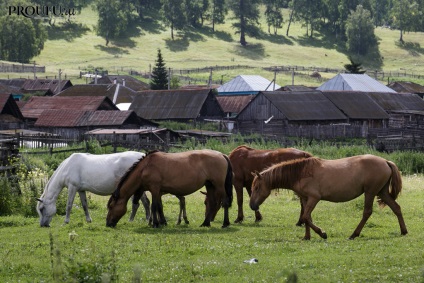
(74, 48)
(188, 253)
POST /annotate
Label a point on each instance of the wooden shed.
(177, 105)
(275, 112)
(10, 114)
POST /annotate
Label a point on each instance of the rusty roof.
(356, 105)
(304, 105)
(38, 84)
(398, 101)
(234, 103)
(82, 118)
(171, 104)
(407, 87)
(8, 106)
(35, 106)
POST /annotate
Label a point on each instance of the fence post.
(114, 142)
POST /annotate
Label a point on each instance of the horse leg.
(135, 204)
(395, 207)
(156, 200)
(210, 199)
(307, 219)
(162, 219)
(239, 192)
(226, 217)
(72, 190)
(258, 215)
(183, 211)
(368, 202)
(83, 198)
(146, 203)
(299, 222)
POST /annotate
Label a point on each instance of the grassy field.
(189, 253)
(75, 47)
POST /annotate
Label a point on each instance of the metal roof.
(170, 104)
(398, 101)
(234, 103)
(355, 82)
(248, 84)
(129, 81)
(81, 118)
(304, 105)
(408, 87)
(35, 106)
(356, 105)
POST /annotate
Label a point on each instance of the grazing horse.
(246, 160)
(340, 180)
(179, 174)
(83, 172)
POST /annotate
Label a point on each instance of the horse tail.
(396, 183)
(229, 182)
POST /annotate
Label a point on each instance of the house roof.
(398, 101)
(248, 84)
(234, 103)
(170, 104)
(38, 84)
(9, 107)
(82, 118)
(129, 82)
(302, 106)
(354, 82)
(35, 106)
(356, 105)
(117, 93)
(408, 87)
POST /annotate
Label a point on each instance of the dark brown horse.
(340, 180)
(179, 174)
(246, 160)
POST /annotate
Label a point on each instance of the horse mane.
(124, 177)
(286, 174)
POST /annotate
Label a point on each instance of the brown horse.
(179, 174)
(246, 160)
(340, 180)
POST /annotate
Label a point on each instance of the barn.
(177, 105)
(117, 93)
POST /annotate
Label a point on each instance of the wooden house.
(177, 105)
(10, 114)
(47, 86)
(117, 93)
(408, 87)
(406, 110)
(359, 108)
(276, 112)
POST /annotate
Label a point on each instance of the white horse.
(81, 172)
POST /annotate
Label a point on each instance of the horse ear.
(256, 174)
(39, 199)
(203, 193)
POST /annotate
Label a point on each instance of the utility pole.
(35, 77)
(60, 79)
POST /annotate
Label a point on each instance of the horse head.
(46, 211)
(116, 209)
(259, 191)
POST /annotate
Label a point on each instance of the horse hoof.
(306, 238)
(238, 220)
(187, 222)
(324, 235)
(258, 220)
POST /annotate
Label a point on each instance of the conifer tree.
(159, 78)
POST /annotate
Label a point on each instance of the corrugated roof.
(81, 118)
(234, 103)
(169, 104)
(355, 82)
(398, 101)
(37, 104)
(129, 81)
(9, 106)
(247, 84)
(303, 106)
(356, 105)
(117, 93)
(407, 87)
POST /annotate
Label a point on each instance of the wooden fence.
(21, 68)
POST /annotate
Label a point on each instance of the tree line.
(352, 22)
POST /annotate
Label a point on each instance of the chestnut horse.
(246, 160)
(340, 180)
(179, 174)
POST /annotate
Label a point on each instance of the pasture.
(188, 253)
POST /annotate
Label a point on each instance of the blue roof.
(247, 84)
(355, 82)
